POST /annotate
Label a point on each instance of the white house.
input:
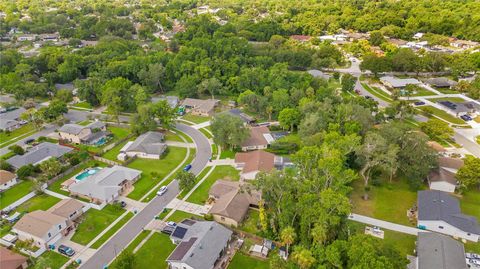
(43, 227)
(440, 212)
(7, 179)
(443, 178)
(148, 146)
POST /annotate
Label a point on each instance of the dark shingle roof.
(438, 205)
(149, 142)
(439, 252)
(39, 153)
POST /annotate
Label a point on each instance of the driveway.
(185, 206)
(385, 224)
(127, 233)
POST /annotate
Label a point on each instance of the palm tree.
(288, 236)
(303, 257)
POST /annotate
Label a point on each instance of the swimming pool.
(101, 142)
(88, 172)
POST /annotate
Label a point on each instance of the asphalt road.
(124, 236)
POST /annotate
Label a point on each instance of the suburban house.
(259, 138)
(438, 251)
(440, 212)
(441, 82)
(171, 100)
(10, 119)
(38, 154)
(251, 163)
(7, 180)
(443, 178)
(200, 245)
(244, 117)
(301, 38)
(67, 86)
(319, 74)
(70, 209)
(106, 184)
(231, 201)
(393, 82)
(78, 134)
(149, 145)
(200, 107)
(12, 260)
(45, 228)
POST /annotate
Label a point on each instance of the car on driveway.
(162, 190)
(171, 224)
(466, 118)
(66, 250)
(419, 103)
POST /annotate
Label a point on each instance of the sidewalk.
(179, 144)
(189, 207)
(201, 125)
(385, 224)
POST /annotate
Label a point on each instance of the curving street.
(127, 233)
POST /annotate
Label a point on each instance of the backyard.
(243, 261)
(112, 154)
(16, 192)
(195, 118)
(94, 222)
(118, 133)
(200, 195)
(39, 202)
(153, 171)
(251, 223)
(389, 201)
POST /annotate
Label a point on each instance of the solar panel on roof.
(179, 232)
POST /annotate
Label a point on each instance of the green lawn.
(206, 133)
(84, 104)
(195, 118)
(52, 259)
(470, 203)
(451, 99)
(7, 138)
(173, 137)
(472, 247)
(160, 168)
(227, 154)
(142, 235)
(8, 155)
(388, 202)
(112, 154)
(154, 252)
(16, 192)
(118, 134)
(441, 114)
(251, 224)
(404, 243)
(94, 222)
(242, 261)
(420, 91)
(214, 150)
(446, 90)
(39, 202)
(84, 123)
(377, 93)
(178, 216)
(113, 230)
(200, 195)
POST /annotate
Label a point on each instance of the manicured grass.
(142, 235)
(200, 195)
(420, 91)
(197, 178)
(84, 123)
(470, 203)
(441, 114)
(8, 155)
(7, 138)
(251, 224)
(52, 259)
(446, 90)
(154, 252)
(214, 150)
(206, 133)
(173, 137)
(84, 104)
(195, 118)
(113, 230)
(242, 261)
(39, 202)
(112, 154)
(16, 192)
(377, 93)
(388, 202)
(404, 243)
(477, 119)
(178, 216)
(472, 247)
(227, 154)
(161, 168)
(451, 99)
(118, 134)
(94, 222)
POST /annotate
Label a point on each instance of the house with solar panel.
(200, 245)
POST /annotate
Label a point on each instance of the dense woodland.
(341, 137)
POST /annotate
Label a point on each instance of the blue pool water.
(100, 142)
(83, 175)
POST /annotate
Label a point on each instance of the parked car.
(162, 190)
(66, 250)
(171, 224)
(29, 141)
(187, 167)
(466, 118)
(472, 256)
(121, 203)
(419, 103)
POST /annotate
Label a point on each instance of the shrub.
(17, 149)
(25, 171)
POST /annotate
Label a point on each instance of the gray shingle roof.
(10, 118)
(399, 82)
(105, 182)
(39, 154)
(441, 82)
(438, 205)
(149, 142)
(439, 252)
(204, 241)
(71, 128)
